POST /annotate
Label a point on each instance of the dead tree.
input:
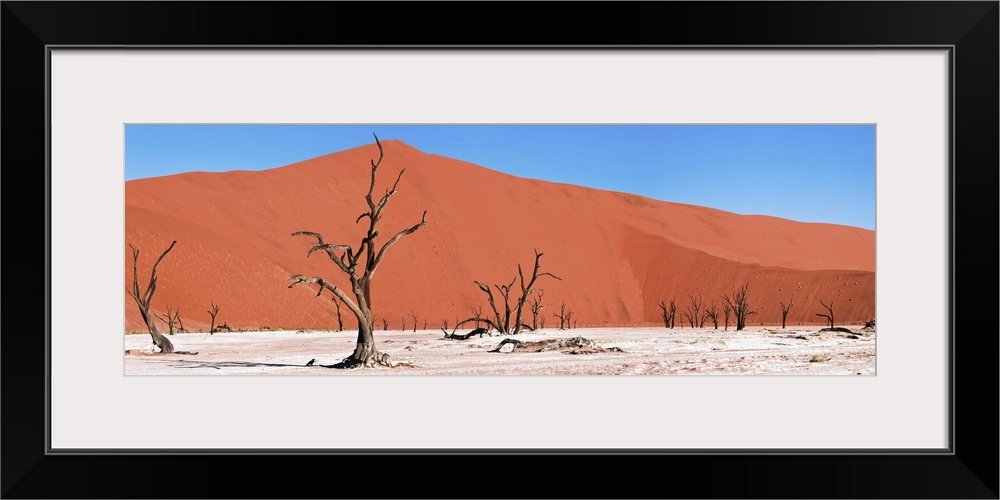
(694, 314)
(569, 317)
(171, 318)
(143, 299)
(541, 322)
(502, 322)
(527, 288)
(415, 316)
(727, 310)
(785, 309)
(738, 302)
(402, 324)
(444, 327)
(385, 324)
(665, 314)
(425, 323)
(347, 260)
(340, 319)
(829, 309)
(477, 314)
(213, 312)
(713, 313)
(672, 313)
(562, 315)
(536, 307)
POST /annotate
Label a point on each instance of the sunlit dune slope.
(618, 255)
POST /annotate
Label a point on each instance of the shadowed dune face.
(618, 254)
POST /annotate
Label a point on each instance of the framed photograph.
(911, 90)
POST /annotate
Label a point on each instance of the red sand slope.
(618, 255)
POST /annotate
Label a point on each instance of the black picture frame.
(969, 470)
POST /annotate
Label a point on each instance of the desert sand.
(618, 254)
(643, 351)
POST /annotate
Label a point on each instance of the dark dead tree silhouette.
(738, 302)
(213, 312)
(536, 307)
(727, 310)
(416, 319)
(385, 324)
(712, 312)
(665, 314)
(172, 317)
(829, 309)
(503, 322)
(694, 313)
(785, 309)
(340, 319)
(562, 315)
(477, 314)
(144, 299)
(347, 260)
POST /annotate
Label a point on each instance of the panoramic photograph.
(501, 250)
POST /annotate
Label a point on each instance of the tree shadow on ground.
(218, 365)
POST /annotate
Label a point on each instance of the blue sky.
(809, 173)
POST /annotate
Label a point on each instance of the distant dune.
(618, 254)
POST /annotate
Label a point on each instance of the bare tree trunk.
(829, 308)
(738, 302)
(213, 312)
(673, 313)
(562, 315)
(144, 299)
(340, 319)
(365, 353)
(785, 309)
(477, 313)
(415, 316)
(713, 312)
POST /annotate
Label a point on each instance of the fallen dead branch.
(575, 345)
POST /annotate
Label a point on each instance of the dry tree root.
(371, 359)
(143, 352)
(467, 336)
(839, 329)
(575, 345)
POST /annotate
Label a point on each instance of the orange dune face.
(618, 255)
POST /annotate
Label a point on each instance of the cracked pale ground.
(647, 351)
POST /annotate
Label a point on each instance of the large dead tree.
(738, 302)
(144, 299)
(347, 259)
(213, 312)
(503, 323)
(785, 309)
(829, 309)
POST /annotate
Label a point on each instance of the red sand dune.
(618, 254)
